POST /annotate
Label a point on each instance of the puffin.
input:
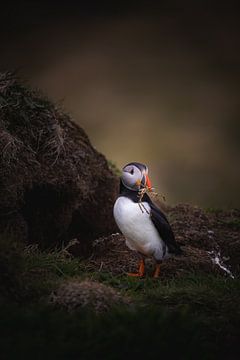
(145, 227)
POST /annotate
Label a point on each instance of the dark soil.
(54, 186)
(203, 236)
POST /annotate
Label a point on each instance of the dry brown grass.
(51, 177)
(76, 293)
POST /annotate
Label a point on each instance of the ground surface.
(205, 236)
(56, 306)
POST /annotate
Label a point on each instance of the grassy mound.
(52, 181)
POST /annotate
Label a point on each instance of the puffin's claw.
(141, 270)
(135, 274)
(156, 273)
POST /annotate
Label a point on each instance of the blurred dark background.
(155, 82)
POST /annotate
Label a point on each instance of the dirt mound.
(75, 294)
(54, 186)
(208, 244)
(215, 231)
(111, 254)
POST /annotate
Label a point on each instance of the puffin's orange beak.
(148, 183)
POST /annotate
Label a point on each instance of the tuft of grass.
(213, 210)
(56, 263)
(112, 166)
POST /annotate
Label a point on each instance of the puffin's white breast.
(137, 227)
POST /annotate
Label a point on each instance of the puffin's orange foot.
(156, 273)
(136, 274)
(141, 270)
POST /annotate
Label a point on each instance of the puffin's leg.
(141, 269)
(156, 273)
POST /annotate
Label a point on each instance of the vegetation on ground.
(194, 316)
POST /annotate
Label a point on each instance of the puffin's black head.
(135, 176)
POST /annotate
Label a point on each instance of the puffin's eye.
(132, 171)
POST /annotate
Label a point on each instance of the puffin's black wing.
(164, 228)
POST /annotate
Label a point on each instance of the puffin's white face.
(135, 176)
